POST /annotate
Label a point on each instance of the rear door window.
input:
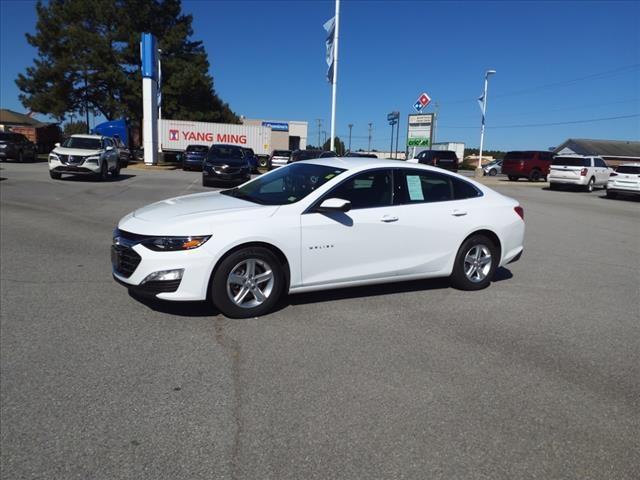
(417, 186)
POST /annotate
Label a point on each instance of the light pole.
(350, 127)
(479, 171)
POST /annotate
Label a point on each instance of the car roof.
(86, 135)
(364, 163)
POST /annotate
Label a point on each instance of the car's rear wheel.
(475, 263)
(248, 283)
(55, 175)
(534, 176)
(513, 178)
(590, 185)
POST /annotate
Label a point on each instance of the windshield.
(225, 154)
(281, 153)
(83, 143)
(628, 169)
(571, 161)
(285, 185)
(197, 148)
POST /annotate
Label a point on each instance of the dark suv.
(531, 164)
(446, 159)
(194, 156)
(225, 164)
(16, 146)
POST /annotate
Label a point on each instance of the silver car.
(493, 168)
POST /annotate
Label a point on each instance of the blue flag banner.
(481, 103)
(330, 27)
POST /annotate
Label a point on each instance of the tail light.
(583, 172)
(613, 174)
(520, 211)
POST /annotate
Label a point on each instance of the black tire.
(222, 287)
(513, 178)
(535, 176)
(206, 183)
(554, 186)
(590, 186)
(20, 156)
(611, 194)
(104, 171)
(55, 175)
(459, 277)
(116, 171)
(493, 172)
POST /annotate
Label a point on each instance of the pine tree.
(89, 59)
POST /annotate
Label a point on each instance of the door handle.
(459, 213)
(388, 219)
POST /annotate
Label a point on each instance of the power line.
(571, 122)
(607, 73)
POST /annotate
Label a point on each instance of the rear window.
(518, 156)
(197, 148)
(281, 153)
(628, 169)
(571, 161)
(224, 152)
(445, 155)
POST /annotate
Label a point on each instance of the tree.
(339, 146)
(71, 128)
(89, 60)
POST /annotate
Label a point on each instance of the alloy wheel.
(250, 283)
(477, 263)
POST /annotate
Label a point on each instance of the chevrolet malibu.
(314, 225)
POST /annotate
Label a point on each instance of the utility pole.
(319, 120)
(350, 127)
(397, 135)
(370, 125)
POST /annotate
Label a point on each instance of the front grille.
(124, 260)
(228, 170)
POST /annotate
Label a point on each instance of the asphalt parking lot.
(537, 376)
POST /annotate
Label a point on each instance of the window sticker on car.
(415, 188)
(330, 176)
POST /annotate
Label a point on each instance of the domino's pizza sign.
(422, 102)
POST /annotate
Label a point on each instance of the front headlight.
(93, 159)
(53, 156)
(172, 244)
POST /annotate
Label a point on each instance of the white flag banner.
(481, 103)
(330, 27)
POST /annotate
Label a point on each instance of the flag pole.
(335, 78)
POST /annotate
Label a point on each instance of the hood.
(192, 213)
(80, 152)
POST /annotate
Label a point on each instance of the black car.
(225, 164)
(193, 157)
(446, 159)
(16, 146)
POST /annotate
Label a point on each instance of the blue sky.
(556, 62)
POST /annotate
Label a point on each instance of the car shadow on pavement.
(207, 309)
(380, 289)
(183, 309)
(110, 179)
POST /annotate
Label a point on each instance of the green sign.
(418, 142)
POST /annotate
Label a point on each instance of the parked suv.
(16, 146)
(194, 156)
(446, 159)
(624, 181)
(92, 155)
(576, 170)
(532, 165)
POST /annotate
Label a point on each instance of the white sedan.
(314, 225)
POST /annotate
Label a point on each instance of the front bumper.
(213, 176)
(197, 265)
(84, 168)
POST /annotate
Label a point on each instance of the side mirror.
(334, 205)
(57, 144)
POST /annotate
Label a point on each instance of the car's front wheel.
(475, 263)
(55, 175)
(248, 283)
(513, 178)
(493, 172)
(104, 171)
